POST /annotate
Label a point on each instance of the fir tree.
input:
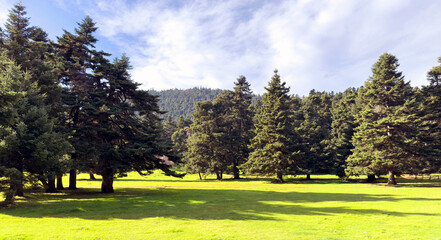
(385, 139)
(315, 131)
(241, 119)
(430, 124)
(272, 150)
(343, 111)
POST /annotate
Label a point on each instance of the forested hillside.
(178, 102)
(182, 102)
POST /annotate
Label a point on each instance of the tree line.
(65, 108)
(383, 127)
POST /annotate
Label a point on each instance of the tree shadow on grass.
(198, 204)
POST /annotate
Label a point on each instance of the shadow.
(198, 204)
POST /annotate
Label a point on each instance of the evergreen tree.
(32, 52)
(272, 148)
(81, 69)
(315, 131)
(115, 126)
(343, 111)
(180, 136)
(430, 125)
(201, 144)
(29, 142)
(385, 140)
(241, 119)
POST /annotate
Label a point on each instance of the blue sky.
(322, 45)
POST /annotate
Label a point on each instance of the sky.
(315, 44)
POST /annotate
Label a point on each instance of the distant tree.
(315, 131)
(272, 149)
(343, 111)
(201, 144)
(180, 136)
(241, 119)
(385, 139)
(430, 122)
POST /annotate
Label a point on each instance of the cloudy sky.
(322, 45)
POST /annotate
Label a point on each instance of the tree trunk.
(60, 182)
(107, 183)
(91, 176)
(218, 176)
(51, 184)
(308, 176)
(18, 187)
(391, 180)
(200, 177)
(235, 171)
(73, 179)
(279, 177)
(48, 186)
(370, 178)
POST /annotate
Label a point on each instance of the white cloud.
(326, 45)
(5, 5)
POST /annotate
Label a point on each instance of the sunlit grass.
(160, 207)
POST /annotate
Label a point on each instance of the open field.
(159, 207)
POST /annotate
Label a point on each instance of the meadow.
(160, 207)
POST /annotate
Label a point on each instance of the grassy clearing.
(159, 207)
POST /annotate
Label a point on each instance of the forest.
(66, 108)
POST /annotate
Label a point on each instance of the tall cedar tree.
(343, 111)
(385, 139)
(430, 116)
(315, 130)
(272, 149)
(114, 125)
(30, 49)
(81, 67)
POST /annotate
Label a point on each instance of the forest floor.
(160, 207)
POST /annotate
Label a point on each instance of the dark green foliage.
(115, 126)
(272, 147)
(176, 102)
(240, 123)
(430, 125)
(344, 108)
(315, 131)
(385, 139)
(28, 140)
(201, 155)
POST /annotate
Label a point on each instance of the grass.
(160, 207)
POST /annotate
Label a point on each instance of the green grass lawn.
(159, 207)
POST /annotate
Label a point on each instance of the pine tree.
(315, 131)
(343, 111)
(115, 126)
(29, 142)
(180, 136)
(201, 143)
(28, 47)
(241, 119)
(384, 141)
(430, 122)
(272, 150)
